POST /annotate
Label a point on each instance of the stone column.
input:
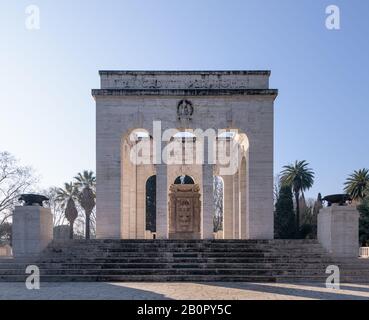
(108, 177)
(338, 230)
(133, 203)
(236, 206)
(141, 202)
(162, 222)
(32, 230)
(207, 190)
(228, 207)
(208, 202)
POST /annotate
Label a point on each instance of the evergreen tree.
(300, 178)
(284, 216)
(364, 222)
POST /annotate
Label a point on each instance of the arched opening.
(151, 203)
(136, 166)
(184, 179)
(232, 157)
(218, 189)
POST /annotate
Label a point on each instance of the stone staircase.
(185, 260)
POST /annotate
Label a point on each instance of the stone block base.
(32, 230)
(338, 230)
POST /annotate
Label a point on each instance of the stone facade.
(221, 100)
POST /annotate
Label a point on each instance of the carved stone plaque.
(184, 212)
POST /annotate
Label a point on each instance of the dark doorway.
(151, 204)
(184, 180)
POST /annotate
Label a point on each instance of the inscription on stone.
(184, 215)
(148, 83)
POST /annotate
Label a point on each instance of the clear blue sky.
(321, 114)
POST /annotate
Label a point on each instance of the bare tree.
(56, 206)
(14, 180)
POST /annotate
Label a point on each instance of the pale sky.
(47, 114)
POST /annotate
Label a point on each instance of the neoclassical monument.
(170, 133)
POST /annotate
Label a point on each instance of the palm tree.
(300, 178)
(87, 201)
(357, 184)
(71, 214)
(64, 194)
(86, 184)
(85, 179)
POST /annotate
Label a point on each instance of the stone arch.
(232, 167)
(136, 168)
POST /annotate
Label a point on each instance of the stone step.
(158, 249)
(141, 278)
(182, 260)
(245, 246)
(187, 254)
(167, 266)
(135, 271)
(184, 278)
(171, 271)
(209, 265)
(137, 258)
(181, 241)
(180, 247)
(166, 251)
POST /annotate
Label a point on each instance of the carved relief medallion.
(184, 110)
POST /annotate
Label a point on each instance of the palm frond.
(357, 184)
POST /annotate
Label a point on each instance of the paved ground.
(160, 291)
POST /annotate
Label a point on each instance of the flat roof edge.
(183, 92)
(184, 72)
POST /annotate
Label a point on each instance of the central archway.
(184, 209)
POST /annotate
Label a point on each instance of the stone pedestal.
(338, 230)
(32, 230)
(184, 212)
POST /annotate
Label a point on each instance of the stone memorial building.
(186, 155)
(170, 133)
